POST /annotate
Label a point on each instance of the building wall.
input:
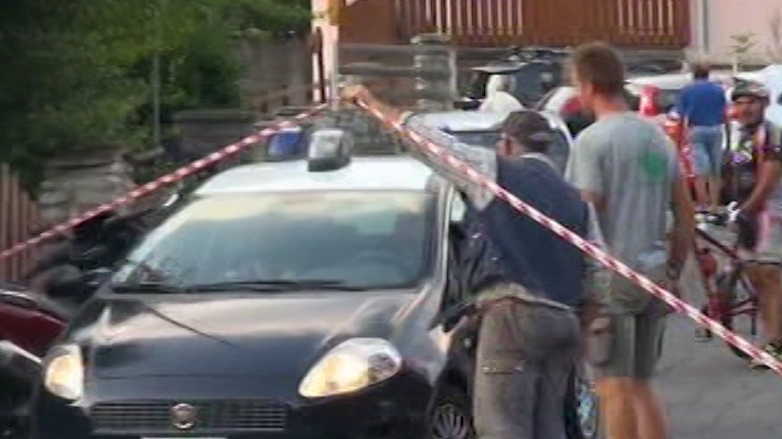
(715, 22)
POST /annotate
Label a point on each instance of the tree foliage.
(77, 74)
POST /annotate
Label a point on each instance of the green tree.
(76, 74)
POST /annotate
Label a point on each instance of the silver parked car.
(482, 129)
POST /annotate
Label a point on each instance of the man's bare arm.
(682, 237)
(596, 276)
(768, 178)
(594, 198)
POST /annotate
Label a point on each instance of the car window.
(559, 151)
(633, 99)
(477, 87)
(666, 99)
(529, 85)
(368, 239)
(557, 99)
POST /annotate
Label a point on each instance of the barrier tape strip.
(163, 181)
(585, 246)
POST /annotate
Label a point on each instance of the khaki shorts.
(632, 343)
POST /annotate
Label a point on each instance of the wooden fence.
(627, 23)
(18, 217)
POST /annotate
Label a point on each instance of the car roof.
(362, 173)
(500, 67)
(461, 120)
(672, 81)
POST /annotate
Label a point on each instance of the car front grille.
(211, 415)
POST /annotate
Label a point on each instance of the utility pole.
(156, 133)
(335, 9)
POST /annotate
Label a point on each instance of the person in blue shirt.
(702, 107)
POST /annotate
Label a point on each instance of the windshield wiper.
(147, 287)
(277, 285)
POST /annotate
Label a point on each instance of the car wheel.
(451, 416)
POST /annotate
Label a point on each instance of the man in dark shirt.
(527, 280)
(702, 106)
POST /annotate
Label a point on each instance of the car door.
(464, 337)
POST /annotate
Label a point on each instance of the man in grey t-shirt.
(628, 168)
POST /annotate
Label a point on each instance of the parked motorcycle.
(19, 370)
(35, 312)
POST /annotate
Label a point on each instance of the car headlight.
(64, 372)
(352, 365)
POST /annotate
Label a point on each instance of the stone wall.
(205, 131)
(74, 185)
(369, 136)
(272, 66)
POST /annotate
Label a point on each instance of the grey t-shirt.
(631, 163)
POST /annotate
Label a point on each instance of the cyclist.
(755, 166)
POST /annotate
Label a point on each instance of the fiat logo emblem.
(183, 416)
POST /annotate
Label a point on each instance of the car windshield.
(357, 239)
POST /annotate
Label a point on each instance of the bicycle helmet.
(750, 90)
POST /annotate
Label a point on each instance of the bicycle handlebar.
(720, 219)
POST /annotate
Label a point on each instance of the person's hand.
(354, 92)
(734, 215)
(672, 286)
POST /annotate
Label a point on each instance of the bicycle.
(730, 294)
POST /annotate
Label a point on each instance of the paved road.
(710, 393)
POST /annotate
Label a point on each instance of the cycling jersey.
(759, 236)
(748, 148)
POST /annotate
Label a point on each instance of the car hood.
(232, 336)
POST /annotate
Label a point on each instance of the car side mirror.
(171, 200)
(453, 314)
(96, 278)
(18, 365)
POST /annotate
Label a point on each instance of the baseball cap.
(529, 127)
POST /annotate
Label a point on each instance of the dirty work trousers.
(525, 358)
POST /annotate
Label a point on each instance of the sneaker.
(702, 334)
(775, 349)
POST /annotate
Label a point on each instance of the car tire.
(451, 416)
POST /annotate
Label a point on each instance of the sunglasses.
(746, 101)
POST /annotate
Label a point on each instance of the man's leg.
(556, 369)
(505, 392)
(767, 282)
(650, 414)
(700, 158)
(615, 385)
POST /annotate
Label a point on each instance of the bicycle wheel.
(742, 313)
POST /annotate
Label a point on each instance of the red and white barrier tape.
(674, 302)
(165, 180)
